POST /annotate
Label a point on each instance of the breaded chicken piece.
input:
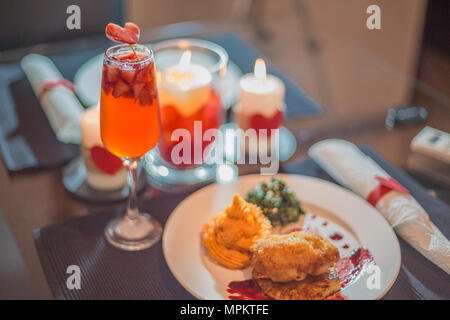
(292, 256)
(312, 288)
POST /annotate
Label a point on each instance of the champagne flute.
(130, 127)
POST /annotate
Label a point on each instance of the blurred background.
(323, 45)
(357, 75)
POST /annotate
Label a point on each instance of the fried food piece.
(229, 235)
(293, 256)
(311, 288)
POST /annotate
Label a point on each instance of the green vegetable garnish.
(277, 202)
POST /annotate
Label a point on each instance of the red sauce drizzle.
(345, 246)
(336, 236)
(245, 290)
(337, 296)
(348, 269)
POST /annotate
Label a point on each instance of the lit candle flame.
(185, 59)
(260, 69)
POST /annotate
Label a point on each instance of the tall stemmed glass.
(130, 127)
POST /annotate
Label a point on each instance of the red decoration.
(105, 160)
(350, 268)
(245, 290)
(129, 34)
(385, 185)
(258, 121)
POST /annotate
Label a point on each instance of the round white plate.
(347, 213)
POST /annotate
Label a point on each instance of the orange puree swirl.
(229, 235)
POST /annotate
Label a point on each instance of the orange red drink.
(129, 118)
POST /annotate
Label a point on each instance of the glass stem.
(132, 209)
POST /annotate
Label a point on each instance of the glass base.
(164, 177)
(131, 235)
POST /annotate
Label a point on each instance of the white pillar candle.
(185, 86)
(261, 93)
(90, 128)
(90, 137)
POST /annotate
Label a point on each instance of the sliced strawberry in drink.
(129, 34)
(112, 74)
(120, 88)
(137, 88)
(126, 57)
(129, 57)
(142, 75)
(127, 75)
(145, 98)
(151, 88)
(106, 87)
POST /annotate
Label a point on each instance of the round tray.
(74, 181)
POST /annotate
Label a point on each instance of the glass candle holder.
(190, 79)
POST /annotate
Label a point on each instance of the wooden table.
(351, 82)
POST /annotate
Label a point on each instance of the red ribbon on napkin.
(49, 85)
(385, 185)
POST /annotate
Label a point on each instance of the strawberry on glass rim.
(128, 34)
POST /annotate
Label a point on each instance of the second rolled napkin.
(61, 106)
(344, 162)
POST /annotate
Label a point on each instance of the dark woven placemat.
(109, 273)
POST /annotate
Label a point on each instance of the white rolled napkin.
(57, 99)
(350, 167)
